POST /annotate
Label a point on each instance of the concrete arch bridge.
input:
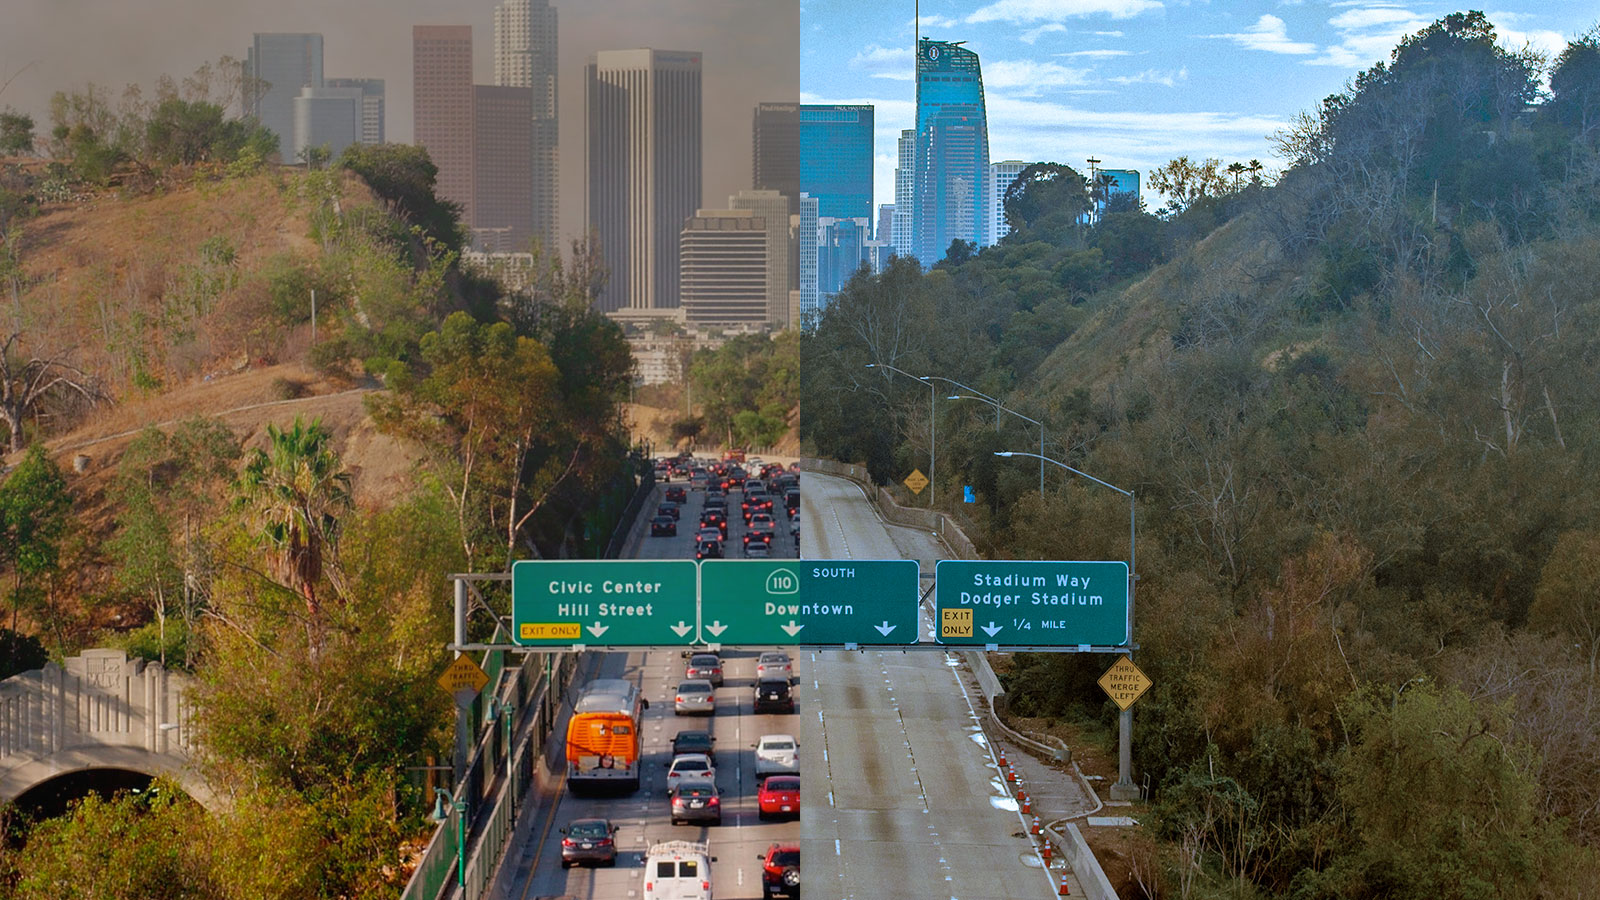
(102, 719)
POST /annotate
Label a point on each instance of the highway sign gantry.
(835, 601)
(1031, 603)
(615, 602)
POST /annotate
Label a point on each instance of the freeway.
(535, 863)
(903, 799)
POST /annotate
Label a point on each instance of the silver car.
(695, 697)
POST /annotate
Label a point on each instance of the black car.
(708, 550)
(714, 519)
(774, 695)
(696, 800)
(663, 526)
(791, 500)
(677, 494)
(669, 509)
(694, 742)
(589, 840)
(716, 501)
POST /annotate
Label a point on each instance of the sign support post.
(463, 713)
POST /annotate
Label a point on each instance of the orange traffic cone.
(1064, 891)
(1027, 803)
(1036, 829)
(1002, 755)
(1046, 851)
(1011, 775)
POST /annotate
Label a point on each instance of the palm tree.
(1236, 169)
(295, 490)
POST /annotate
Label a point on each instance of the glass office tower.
(836, 159)
(952, 150)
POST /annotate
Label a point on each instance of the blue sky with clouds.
(1133, 83)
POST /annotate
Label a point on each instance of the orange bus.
(603, 741)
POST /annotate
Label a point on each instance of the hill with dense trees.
(1355, 403)
(203, 477)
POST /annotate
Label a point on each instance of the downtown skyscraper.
(836, 158)
(642, 169)
(951, 160)
(276, 68)
(525, 57)
(441, 102)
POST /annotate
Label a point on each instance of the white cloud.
(1106, 33)
(1550, 43)
(1154, 76)
(1268, 34)
(884, 62)
(1372, 17)
(1028, 37)
(934, 20)
(1030, 76)
(1019, 12)
(1097, 54)
(1368, 33)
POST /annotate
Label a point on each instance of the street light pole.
(999, 409)
(933, 486)
(1124, 789)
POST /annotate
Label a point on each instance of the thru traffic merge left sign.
(1124, 682)
(463, 679)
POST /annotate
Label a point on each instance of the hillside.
(164, 287)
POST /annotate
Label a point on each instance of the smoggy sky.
(750, 53)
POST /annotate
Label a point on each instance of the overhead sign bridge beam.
(830, 604)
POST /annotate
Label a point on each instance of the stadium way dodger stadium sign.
(1031, 603)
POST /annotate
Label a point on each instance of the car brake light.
(678, 699)
(714, 801)
(567, 842)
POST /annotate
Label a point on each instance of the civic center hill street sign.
(1031, 603)
(617, 602)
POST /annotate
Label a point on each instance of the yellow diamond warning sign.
(955, 623)
(1124, 683)
(916, 481)
(463, 675)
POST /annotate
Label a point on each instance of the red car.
(779, 796)
(780, 870)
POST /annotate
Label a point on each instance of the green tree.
(1471, 827)
(1568, 599)
(295, 490)
(404, 176)
(163, 490)
(20, 653)
(485, 403)
(16, 133)
(35, 504)
(127, 848)
(1046, 197)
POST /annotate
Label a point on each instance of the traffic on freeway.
(698, 825)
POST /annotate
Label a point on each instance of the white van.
(678, 870)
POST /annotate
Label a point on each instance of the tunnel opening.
(54, 797)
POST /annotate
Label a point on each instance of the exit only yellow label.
(546, 631)
(955, 623)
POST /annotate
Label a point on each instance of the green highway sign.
(616, 602)
(1031, 603)
(808, 601)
